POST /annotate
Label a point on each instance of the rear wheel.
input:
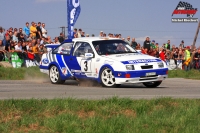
(152, 84)
(54, 75)
(108, 79)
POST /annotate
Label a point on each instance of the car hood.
(135, 57)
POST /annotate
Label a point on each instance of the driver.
(120, 47)
(88, 49)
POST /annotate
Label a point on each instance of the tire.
(54, 76)
(152, 84)
(107, 78)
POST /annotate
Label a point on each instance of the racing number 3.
(86, 66)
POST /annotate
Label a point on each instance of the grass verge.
(192, 74)
(20, 73)
(110, 115)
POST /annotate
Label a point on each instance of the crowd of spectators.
(28, 42)
(31, 40)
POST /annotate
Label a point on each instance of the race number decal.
(86, 66)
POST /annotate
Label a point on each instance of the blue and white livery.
(109, 61)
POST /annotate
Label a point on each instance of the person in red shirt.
(144, 51)
(163, 55)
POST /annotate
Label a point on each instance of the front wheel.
(152, 84)
(54, 75)
(108, 79)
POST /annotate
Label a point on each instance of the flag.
(73, 11)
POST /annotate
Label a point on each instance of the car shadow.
(96, 84)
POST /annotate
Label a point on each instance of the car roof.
(94, 38)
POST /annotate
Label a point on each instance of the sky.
(137, 19)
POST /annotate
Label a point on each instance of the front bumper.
(140, 76)
(140, 79)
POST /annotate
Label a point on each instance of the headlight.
(160, 65)
(130, 67)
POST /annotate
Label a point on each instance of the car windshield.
(107, 47)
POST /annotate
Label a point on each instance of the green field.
(21, 73)
(113, 115)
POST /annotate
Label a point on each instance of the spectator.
(42, 50)
(101, 34)
(182, 44)
(123, 39)
(36, 52)
(10, 29)
(116, 35)
(27, 30)
(11, 48)
(20, 35)
(56, 41)
(79, 33)
(61, 38)
(163, 55)
(157, 46)
(42, 40)
(29, 38)
(104, 34)
(144, 51)
(24, 48)
(10, 34)
(146, 43)
(14, 37)
(197, 59)
(49, 40)
(75, 33)
(133, 43)
(2, 50)
(29, 45)
(87, 35)
(39, 31)
(7, 42)
(167, 45)
(175, 56)
(120, 36)
(18, 47)
(187, 59)
(128, 40)
(152, 45)
(33, 30)
(138, 46)
(44, 31)
(1, 33)
(82, 34)
(93, 35)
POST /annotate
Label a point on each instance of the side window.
(63, 49)
(81, 48)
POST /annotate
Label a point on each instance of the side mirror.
(89, 55)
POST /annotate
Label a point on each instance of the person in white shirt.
(44, 31)
(18, 47)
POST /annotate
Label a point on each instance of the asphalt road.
(43, 89)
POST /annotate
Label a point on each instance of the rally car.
(109, 61)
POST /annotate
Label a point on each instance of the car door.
(60, 56)
(85, 67)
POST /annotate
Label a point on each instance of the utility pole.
(193, 45)
(63, 30)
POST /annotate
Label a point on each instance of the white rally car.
(109, 61)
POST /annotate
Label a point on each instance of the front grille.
(147, 67)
